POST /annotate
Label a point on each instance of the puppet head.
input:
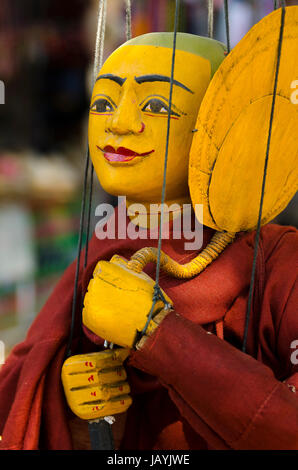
(129, 110)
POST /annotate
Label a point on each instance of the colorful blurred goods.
(39, 179)
(37, 249)
(38, 235)
(18, 263)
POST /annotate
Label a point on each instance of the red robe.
(190, 389)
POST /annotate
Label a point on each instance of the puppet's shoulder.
(280, 248)
(280, 242)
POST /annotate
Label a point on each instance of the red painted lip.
(122, 154)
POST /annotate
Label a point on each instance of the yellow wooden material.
(95, 384)
(118, 302)
(228, 151)
(183, 271)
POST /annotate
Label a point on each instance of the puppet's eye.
(156, 106)
(102, 106)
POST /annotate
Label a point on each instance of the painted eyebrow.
(112, 77)
(160, 78)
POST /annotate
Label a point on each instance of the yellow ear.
(228, 150)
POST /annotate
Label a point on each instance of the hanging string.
(227, 21)
(210, 18)
(128, 20)
(257, 239)
(79, 248)
(98, 61)
(279, 3)
(99, 46)
(99, 41)
(103, 33)
(157, 294)
(89, 213)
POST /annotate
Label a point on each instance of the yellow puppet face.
(128, 120)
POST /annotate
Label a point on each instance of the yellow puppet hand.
(118, 302)
(95, 384)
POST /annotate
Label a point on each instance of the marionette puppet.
(176, 374)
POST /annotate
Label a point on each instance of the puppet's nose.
(127, 118)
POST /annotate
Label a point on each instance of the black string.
(89, 206)
(257, 238)
(167, 140)
(157, 294)
(79, 248)
(227, 21)
(89, 213)
(278, 3)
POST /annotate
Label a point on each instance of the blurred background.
(46, 56)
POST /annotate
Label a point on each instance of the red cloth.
(191, 390)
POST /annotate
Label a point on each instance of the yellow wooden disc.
(228, 151)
